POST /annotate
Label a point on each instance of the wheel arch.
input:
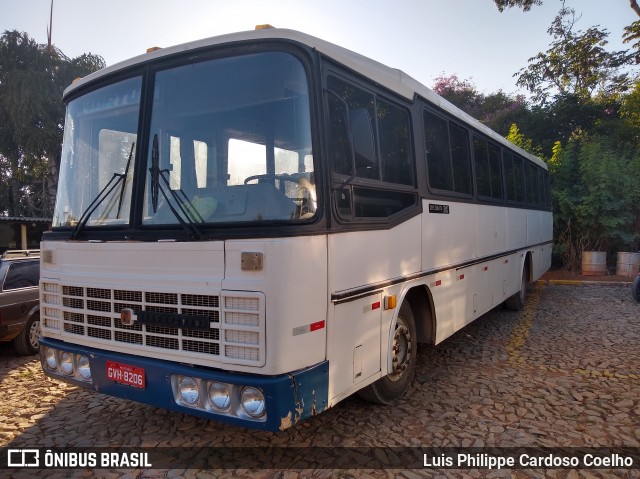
(422, 306)
(528, 265)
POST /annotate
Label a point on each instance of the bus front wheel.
(403, 359)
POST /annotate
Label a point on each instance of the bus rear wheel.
(518, 300)
(403, 359)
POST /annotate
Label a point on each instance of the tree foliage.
(590, 98)
(497, 110)
(32, 80)
(596, 198)
(576, 63)
(524, 4)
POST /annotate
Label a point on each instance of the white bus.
(252, 227)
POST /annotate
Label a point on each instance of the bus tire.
(518, 300)
(405, 345)
(635, 289)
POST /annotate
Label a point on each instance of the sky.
(424, 38)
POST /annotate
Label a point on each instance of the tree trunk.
(14, 183)
(635, 6)
(51, 185)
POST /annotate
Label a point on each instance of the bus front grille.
(92, 315)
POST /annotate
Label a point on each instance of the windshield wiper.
(184, 204)
(124, 182)
(103, 195)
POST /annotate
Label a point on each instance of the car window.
(23, 274)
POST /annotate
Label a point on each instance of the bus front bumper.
(270, 403)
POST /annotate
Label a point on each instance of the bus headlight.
(50, 358)
(219, 396)
(84, 369)
(188, 390)
(66, 363)
(252, 401)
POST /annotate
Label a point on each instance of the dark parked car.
(19, 301)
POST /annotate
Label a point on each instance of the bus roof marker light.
(264, 26)
(153, 49)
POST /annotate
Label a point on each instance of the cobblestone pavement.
(563, 372)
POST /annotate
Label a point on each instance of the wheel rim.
(34, 335)
(401, 350)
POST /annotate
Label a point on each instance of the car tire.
(27, 342)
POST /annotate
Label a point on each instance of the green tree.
(496, 110)
(519, 139)
(527, 4)
(524, 4)
(596, 197)
(576, 63)
(631, 32)
(32, 80)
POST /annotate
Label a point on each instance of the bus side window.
(531, 188)
(395, 143)
(513, 177)
(460, 159)
(436, 135)
(351, 111)
(448, 156)
(488, 173)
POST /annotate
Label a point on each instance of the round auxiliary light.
(188, 390)
(252, 401)
(66, 363)
(84, 369)
(219, 396)
(50, 358)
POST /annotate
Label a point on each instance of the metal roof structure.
(24, 219)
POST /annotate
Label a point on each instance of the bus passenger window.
(395, 144)
(532, 185)
(448, 156)
(513, 177)
(487, 161)
(245, 159)
(436, 134)
(349, 108)
(483, 171)
(460, 160)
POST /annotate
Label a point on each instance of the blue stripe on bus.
(289, 397)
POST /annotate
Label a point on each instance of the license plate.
(125, 374)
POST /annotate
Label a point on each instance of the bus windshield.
(98, 156)
(229, 140)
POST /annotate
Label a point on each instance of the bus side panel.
(535, 232)
(355, 345)
(446, 238)
(360, 258)
(516, 228)
(492, 230)
(359, 328)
